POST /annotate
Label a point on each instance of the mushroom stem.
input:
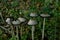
(12, 31)
(43, 29)
(33, 32)
(21, 33)
(17, 33)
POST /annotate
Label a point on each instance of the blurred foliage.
(12, 8)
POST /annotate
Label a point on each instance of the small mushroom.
(32, 23)
(44, 16)
(16, 23)
(21, 19)
(33, 15)
(8, 21)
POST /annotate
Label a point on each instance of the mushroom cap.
(8, 21)
(21, 19)
(16, 22)
(33, 15)
(44, 15)
(32, 22)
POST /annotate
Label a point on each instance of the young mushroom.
(8, 21)
(32, 23)
(33, 14)
(22, 20)
(44, 16)
(16, 23)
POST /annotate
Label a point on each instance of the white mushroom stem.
(21, 33)
(17, 33)
(43, 29)
(33, 32)
(12, 30)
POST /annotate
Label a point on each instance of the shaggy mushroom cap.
(33, 15)
(8, 21)
(21, 19)
(44, 15)
(32, 22)
(16, 22)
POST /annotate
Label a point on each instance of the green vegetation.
(12, 8)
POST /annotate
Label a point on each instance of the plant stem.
(33, 32)
(2, 18)
(43, 29)
(17, 33)
(12, 31)
(5, 29)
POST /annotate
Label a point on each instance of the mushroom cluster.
(32, 22)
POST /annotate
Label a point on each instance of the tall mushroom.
(22, 20)
(16, 23)
(32, 23)
(44, 16)
(8, 21)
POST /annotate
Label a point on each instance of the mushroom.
(22, 20)
(1, 17)
(16, 23)
(8, 21)
(32, 23)
(33, 15)
(44, 16)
